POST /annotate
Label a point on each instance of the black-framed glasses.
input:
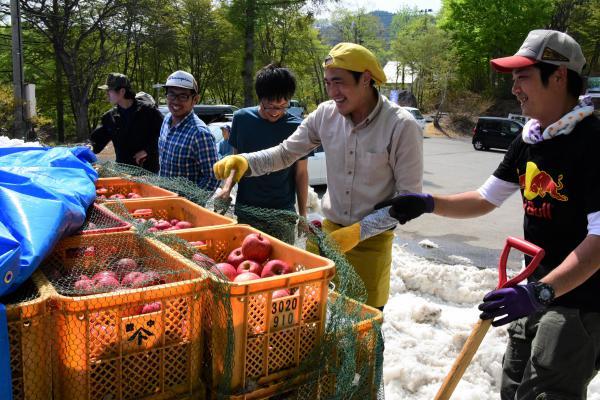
(179, 97)
(268, 107)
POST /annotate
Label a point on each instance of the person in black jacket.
(132, 125)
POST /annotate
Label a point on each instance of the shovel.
(481, 327)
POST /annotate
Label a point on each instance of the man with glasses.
(132, 125)
(374, 151)
(187, 148)
(262, 127)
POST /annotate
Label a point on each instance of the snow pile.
(5, 141)
(429, 316)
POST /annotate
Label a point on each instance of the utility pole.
(17, 66)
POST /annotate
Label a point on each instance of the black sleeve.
(233, 135)
(591, 171)
(101, 136)
(507, 170)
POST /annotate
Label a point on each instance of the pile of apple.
(102, 192)
(251, 261)
(123, 273)
(161, 224)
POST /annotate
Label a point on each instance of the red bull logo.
(539, 183)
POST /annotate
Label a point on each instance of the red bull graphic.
(539, 183)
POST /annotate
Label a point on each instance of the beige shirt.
(366, 163)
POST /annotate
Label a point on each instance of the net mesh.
(144, 313)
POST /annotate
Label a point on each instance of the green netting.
(348, 361)
(182, 329)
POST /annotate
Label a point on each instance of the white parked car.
(418, 116)
(317, 168)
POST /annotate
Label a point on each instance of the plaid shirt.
(188, 149)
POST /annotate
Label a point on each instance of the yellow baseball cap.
(354, 57)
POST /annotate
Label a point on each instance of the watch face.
(545, 294)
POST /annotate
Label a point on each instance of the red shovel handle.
(524, 246)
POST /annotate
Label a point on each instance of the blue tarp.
(44, 195)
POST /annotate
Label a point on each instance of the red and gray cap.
(182, 79)
(546, 46)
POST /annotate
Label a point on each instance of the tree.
(79, 32)
(495, 28)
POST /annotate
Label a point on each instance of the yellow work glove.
(347, 237)
(235, 163)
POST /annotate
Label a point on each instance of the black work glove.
(408, 206)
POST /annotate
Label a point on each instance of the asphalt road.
(453, 166)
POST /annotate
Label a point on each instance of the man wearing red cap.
(554, 335)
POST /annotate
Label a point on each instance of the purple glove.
(514, 302)
(408, 206)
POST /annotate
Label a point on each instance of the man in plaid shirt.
(186, 146)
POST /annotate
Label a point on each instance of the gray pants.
(551, 355)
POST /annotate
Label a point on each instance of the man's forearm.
(462, 205)
(302, 194)
(579, 266)
(265, 161)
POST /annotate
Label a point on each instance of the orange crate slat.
(102, 216)
(269, 334)
(124, 186)
(28, 325)
(309, 386)
(179, 208)
(104, 348)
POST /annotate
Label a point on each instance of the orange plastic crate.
(28, 326)
(104, 350)
(179, 208)
(124, 186)
(271, 337)
(105, 218)
(308, 387)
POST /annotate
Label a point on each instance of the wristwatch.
(544, 293)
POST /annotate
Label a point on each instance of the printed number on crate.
(284, 311)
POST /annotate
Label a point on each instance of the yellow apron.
(372, 260)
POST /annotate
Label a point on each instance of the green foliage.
(6, 109)
(481, 31)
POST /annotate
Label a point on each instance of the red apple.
(151, 307)
(256, 247)
(129, 278)
(102, 274)
(101, 197)
(246, 276)
(275, 267)
(84, 286)
(153, 229)
(184, 225)
(117, 196)
(107, 283)
(174, 221)
(249, 266)
(280, 293)
(133, 195)
(124, 266)
(224, 269)
(162, 225)
(147, 279)
(235, 257)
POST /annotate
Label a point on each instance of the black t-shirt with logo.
(559, 181)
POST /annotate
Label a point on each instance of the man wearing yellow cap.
(374, 151)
